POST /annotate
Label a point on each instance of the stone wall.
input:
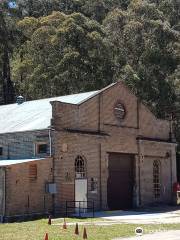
(95, 132)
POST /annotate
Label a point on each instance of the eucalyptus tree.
(146, 52)
(8, 39)
(63, 54)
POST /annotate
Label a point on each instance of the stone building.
(22, 186)
(109, 148)
(103, 146)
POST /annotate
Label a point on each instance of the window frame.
(80, 167)
(157, 179)
(1, 150)
(93, 185)
(37, 145)
(117, 115)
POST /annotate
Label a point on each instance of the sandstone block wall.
(97, 132)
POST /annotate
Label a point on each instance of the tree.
(170, 10)
(63, 54)
(145, 48)
(7, 41)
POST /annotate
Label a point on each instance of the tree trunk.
(8, 88)
(7, 85)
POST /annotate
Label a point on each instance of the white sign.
(139, 231)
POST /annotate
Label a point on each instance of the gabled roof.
(37, 114)
(34, 115)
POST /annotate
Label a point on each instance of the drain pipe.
(100, 177)
(4, 195)
(139, 173)
(51, 155)
(50, 142)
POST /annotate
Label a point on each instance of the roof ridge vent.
(19, 99)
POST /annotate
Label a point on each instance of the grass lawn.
(35, 230)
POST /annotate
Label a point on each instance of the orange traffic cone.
(76, 229)
(46, 237)
(64, 224)
(84, 233)
(49, 220)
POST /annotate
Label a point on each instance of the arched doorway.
(80, 183)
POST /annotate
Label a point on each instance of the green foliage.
(9, 37)
(145, 46)
(56, 47)
(63, 54)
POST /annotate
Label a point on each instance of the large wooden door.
(120, 181)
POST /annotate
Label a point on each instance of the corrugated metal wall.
(21, 145)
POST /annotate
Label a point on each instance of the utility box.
(51, 188)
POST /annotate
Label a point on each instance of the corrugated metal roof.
(4, 163)
(34, 115)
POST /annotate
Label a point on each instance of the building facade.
(22, 188)
(112, 149)
(104, 147)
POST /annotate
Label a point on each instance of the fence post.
(79, 209)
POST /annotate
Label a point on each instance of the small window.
(33, 172)
(42, 148)
(80, 168)
(156, 179)
(119, 111)
(94, 185)
(1, 151)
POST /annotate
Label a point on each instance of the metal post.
(79, 209)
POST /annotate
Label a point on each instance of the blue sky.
(12, 4)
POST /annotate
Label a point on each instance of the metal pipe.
(100, 177)
(4, 194)
(139, 172)
(99, 113)
(171, 174)
(100, 157)
(53, 178)
(50, 143)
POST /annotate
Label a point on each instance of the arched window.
(80, 168)
(157, 178)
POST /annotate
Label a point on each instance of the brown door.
(120, 181)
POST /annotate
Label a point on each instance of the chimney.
(19, 99)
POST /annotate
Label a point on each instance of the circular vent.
(119, 110)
